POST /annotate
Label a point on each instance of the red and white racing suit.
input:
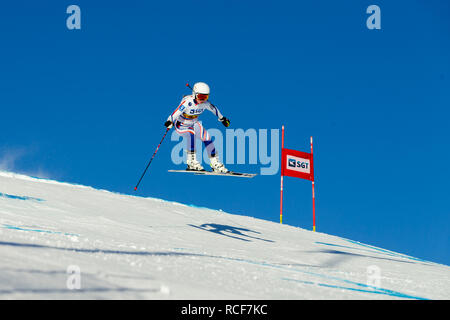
(185, 121)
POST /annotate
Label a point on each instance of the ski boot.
(217, 166)
(192, 163)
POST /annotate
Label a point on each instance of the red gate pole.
(281, 186)
(313, 193)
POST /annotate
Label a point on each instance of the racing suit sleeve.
(178, 111)
(214, 110)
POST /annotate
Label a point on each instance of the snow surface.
(129, 247)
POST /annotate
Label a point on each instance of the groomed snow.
(129, 247)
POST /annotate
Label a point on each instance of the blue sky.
(88, 106)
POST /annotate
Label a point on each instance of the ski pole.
(167, 130)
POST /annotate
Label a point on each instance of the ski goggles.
(202, 96)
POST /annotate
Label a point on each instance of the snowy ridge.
(129, 247)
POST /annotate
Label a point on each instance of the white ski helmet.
(202, 89)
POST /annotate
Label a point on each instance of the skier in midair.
(185, 121)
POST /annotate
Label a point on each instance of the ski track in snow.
(129, 247)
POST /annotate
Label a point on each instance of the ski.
(212, 173)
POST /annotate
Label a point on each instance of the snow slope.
(129, 247)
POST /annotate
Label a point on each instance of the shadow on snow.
(229, 231)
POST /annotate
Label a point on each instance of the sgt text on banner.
(297, 164)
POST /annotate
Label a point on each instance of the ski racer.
(185, 121)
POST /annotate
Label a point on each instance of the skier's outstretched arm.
(220, 117)
(174, 116)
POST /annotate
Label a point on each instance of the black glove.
(225, 121)
(168, 124)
